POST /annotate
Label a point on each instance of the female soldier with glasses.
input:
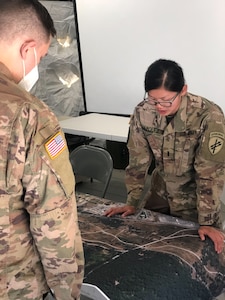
(184, 135)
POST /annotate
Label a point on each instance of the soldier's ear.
(26, 47)
(184, 90)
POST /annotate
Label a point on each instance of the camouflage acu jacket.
(189, 156)
(40, 242)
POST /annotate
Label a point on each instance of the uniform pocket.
(60, 165)
(52, 172)
(186, 145)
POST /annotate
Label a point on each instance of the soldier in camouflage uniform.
(184, 135)
(40, 242)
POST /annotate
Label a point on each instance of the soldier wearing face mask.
(30, 78)
(40, 243)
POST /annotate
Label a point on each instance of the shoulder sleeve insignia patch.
(216, 140)
(55, 145)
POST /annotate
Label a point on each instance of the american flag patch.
(55, 145)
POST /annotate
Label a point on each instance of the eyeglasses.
(164, 103)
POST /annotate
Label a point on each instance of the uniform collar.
(5, 71)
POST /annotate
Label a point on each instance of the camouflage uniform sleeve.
(209, 166)
(49, 199)
(140, 159)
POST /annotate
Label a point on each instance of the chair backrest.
(93, 162)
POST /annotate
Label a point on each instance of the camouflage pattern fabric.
(189, 155)
(40, 242)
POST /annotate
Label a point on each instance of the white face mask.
(31, 78)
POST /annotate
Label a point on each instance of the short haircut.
(165, 74)
(28, 17)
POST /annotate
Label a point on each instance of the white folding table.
(102, 126)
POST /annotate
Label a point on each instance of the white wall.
(121, 38)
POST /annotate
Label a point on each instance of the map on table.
(147, 256)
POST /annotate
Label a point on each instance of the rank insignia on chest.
(216, 140)
(55, 145)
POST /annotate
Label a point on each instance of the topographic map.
(148, 256)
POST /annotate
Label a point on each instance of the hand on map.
(214, 234)
(125, 210)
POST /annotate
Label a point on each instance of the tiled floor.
(117, 192)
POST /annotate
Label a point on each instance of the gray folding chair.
(94, 163)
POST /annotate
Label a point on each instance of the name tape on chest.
(55, 145)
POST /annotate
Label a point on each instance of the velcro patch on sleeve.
(213, 146)
(216, 140)
(55, 145)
